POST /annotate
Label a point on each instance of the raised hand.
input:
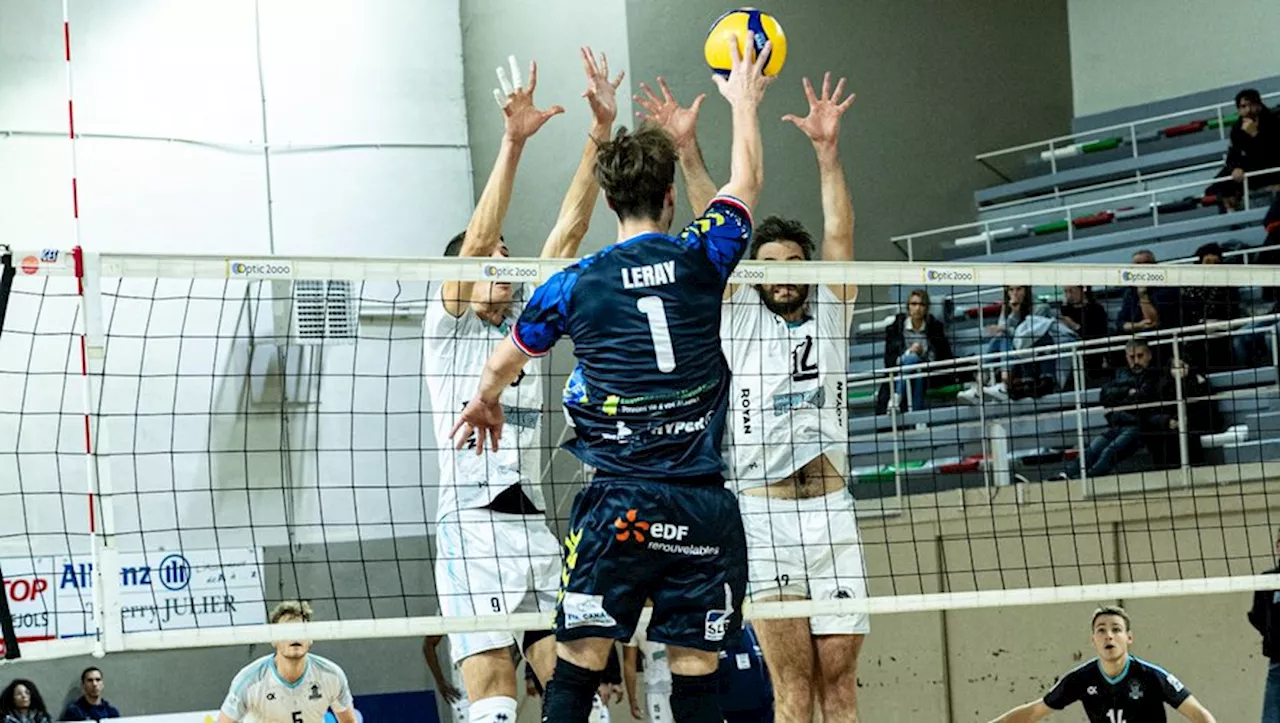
(516, 101)
(822, 125)
(601, 93)
(746, 82)
(680, 123)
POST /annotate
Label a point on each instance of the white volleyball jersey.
(653, 658)
(788, 403)
(455, 351)
(258, 692)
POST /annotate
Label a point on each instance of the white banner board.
(52, 597)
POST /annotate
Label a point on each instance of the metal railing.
(992, 229)
(1137, 178)
(1127, 131)
(1075, 351)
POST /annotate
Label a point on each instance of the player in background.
(652, 660)
(446, 686)
(291, 686)
(1116, 686)
(494, 546)
(788, 347)
(647, 400)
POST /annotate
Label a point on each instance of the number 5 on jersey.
(653, 308)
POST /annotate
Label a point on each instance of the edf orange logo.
(630, 527)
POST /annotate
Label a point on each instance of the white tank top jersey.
(455, 351)
(260, 694)
(788, 404)
(653, 658)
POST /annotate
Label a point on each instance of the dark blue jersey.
(649, 394)
(1140, 693)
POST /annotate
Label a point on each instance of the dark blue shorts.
(681, 546)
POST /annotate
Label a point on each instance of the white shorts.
(658, 706)
(808, 548)
(489, 563)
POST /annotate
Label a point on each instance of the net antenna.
(11, 650)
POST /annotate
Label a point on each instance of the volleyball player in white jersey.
(495, 553)
(657, 677)
(290, 686)
(788, 348)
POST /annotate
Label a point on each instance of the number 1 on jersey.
(656, 311)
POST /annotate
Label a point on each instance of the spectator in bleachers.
(1207, 304)
(1146, 308)
(21, 702)
(91, 705)
(1023, 326)
(1083, 314)
(1255, 146)
(914, 337)
(1142, 381)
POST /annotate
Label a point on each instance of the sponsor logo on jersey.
(582, 610)
(315, 693)
(784, 403)
(658, 536)
(1135, 690)
(49, 256)
(522, 417)
(648, 403)
(1091, 690)
(1173, 682)
(803, 366)
(744, 401)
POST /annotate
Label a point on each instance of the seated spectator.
(1083, 314)
(1255, 146)
(1147, 308)
(21, 702)
(90, 705)
(914, 337)
(1207, 304)
(1203, 418)
(1021, 327)
(1140, 382)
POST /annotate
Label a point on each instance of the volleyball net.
(186, 440)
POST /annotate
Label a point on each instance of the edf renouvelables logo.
(259, 269)
(510, 271)
(949, 275)
(1154, 275)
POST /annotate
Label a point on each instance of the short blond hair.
(300, 609)
(1115, 610)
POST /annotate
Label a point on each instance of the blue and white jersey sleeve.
(546, 317)
(722, 232)
(236, 705)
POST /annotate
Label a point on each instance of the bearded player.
(291, 686)
(788, 347)
(1115, 687)
(495, 554)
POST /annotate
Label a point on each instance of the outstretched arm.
(1029, 713)
(744, 89)
(484, 231)
(575, 212)
(822, 126)
(1194, 712)
(682, 125)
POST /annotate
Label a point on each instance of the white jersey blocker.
(487, 563)
(788, 407)
(258, 692)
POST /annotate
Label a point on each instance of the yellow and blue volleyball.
(745, 24)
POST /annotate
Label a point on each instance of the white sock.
(599, 711)
(494, 710)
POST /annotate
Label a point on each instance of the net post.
(1184, 455)
(7, 632)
